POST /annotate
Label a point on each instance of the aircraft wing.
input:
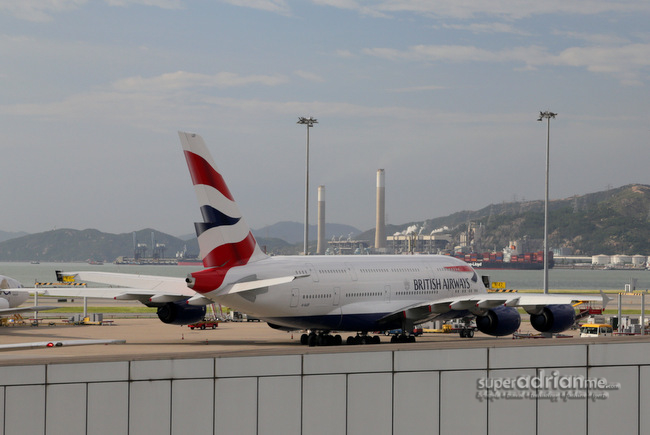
(145, 282)
(150, 288)
(530, 302)
(145, 296)
(10, 311)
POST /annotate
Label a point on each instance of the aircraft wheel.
(411, 339)
(312, 340)
(304, 339)
(338, 340)
(376, 339)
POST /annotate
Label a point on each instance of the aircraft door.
(295, 297)
(337, 296)
(313, 272)
(351, 271)
(386, 293)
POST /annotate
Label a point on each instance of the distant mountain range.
(616, 221)
(69, 245)
(4, 235)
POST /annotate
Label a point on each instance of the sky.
(444, 95)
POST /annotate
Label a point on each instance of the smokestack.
(320, 247)
(380, 228)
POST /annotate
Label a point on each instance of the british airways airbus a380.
(323, 294)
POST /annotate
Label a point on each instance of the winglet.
(606, 298)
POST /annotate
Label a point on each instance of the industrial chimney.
(380, 230)
(320, 247)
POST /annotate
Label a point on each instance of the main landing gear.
(320, 338)
(402, 338)
(324, 338)
(466, 333)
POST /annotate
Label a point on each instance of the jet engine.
(499, 321)
(4, 303)
(180, 313)
(553, 318)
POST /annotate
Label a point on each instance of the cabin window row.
(362, 294)
(394, 269)
(418, 292)
(332, 271)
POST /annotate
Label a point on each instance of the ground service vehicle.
(204, 324)
(596, 330)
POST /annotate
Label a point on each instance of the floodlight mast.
(309, 122)
(546, 115)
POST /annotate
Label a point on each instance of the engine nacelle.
(180, 313)
(4, 303)
(499, 321)
(554, 318)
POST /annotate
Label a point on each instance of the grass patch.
(134, 310)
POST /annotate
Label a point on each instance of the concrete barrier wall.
(377, 392)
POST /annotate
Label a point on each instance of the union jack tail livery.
(225, 240)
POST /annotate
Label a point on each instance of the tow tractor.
(464, 327)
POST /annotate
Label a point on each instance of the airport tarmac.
(151, 339)
(146, 337)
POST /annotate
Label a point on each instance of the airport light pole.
(546, 115)
(309, 122)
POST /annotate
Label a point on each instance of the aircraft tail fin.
(224, 237)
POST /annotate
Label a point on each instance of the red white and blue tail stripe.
(224, 237)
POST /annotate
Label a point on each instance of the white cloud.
(594, 38)
(627, 62)
(418, 88)
(38, 10)
(42, 10)
(185, 80)
(344, 54)
(312, 77)
(507, 9)
(478, 28)
(276, 6)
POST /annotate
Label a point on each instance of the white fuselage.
(348, 292)
(12, 299)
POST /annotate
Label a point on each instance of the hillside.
(66, 245)
(616, 221)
